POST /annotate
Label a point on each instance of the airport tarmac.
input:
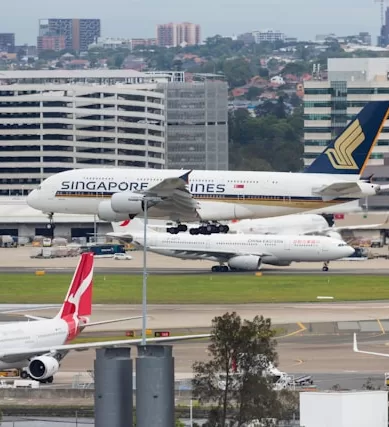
(328, 358)
(17, 260)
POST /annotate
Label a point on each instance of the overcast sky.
(138, 18)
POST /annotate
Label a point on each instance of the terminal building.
(330, 104)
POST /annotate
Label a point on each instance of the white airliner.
(208, 197)
(238, 251)
(309, 224)
(38, 346)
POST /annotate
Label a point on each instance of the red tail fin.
(79, 297)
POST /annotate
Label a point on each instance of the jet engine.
(128, 203)
(245, 262)
(43, 367)
(105, 213)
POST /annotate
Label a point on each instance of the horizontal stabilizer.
(105, 322)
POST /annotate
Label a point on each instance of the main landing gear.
(219, 269)
(325, 266)
(24, 375)
(203, 229)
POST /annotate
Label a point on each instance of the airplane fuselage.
(221, 195)
(29, 335)
(271, 249)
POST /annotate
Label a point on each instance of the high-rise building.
(330, 105)
(173, 34)
(7, 42)
(56, 120)
(197, 125)
(78, 33)
(383, 38)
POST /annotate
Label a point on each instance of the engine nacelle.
(245, 262)
(127, 203)
(105, 213)
(43, 367)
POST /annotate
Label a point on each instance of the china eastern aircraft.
(208, 197)
(37, 347)
(238, 251)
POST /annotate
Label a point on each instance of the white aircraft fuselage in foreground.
(116, 194)
(38, 346)
(238, 251)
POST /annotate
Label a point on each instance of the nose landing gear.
(51, 226)
(325, 266)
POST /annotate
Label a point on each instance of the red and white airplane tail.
(78, 300)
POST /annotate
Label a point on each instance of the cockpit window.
(342, 244)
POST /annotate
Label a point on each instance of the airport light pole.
(144, 286)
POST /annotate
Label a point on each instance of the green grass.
(163, 289)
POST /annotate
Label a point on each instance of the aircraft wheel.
(50, 379)
(224, 268)
(325, 268)
(24, 375)
(215, 268)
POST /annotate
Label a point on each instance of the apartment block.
(78, 33)
(177, 34)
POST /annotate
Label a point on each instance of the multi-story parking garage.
(51, 121)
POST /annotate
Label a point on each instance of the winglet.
(355, 346)
(349, 152)
(185, 177)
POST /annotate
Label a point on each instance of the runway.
(19, 261)
(131, 271)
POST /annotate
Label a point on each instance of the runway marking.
(302, 329)
(383, 332)
(381, 326)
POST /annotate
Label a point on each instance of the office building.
(178, 34)
(330, 105)
(383, 38)
(268, 36)
(197, 125)
(78, 33)
(51, 121)
(7, 42)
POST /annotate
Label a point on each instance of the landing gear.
(219, 268)
(210, 229)
(325, 266)
(51, 226)
(24, 375)
(181, 228)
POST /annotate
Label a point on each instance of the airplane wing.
(19, 353)
(337, 189)
(356, 350)
(105, 322)
(175, 196)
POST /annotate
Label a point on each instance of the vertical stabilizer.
(78, 300)
(349, 153)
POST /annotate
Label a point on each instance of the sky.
(138, 18)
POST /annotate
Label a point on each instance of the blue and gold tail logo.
(341, 156)
(349, 153)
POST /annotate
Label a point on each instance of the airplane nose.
(33, 199)
(350, 250)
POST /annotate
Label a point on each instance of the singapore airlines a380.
(207, 197)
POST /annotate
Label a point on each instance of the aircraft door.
(287, 244)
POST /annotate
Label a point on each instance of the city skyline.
(349, 18)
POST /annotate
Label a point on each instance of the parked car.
(121, 256)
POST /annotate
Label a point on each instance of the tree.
(233, 380)
(253, 93)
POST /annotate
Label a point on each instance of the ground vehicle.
(121, 256)
(104, 250)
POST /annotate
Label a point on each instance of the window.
(318, 91)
